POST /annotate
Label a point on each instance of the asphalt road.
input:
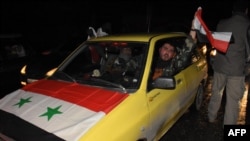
(193, 126)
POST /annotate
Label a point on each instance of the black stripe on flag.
(20, 130)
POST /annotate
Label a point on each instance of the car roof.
(143, 37)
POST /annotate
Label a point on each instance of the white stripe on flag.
(224, 36)
(69, 122)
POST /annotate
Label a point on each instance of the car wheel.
(199, 97)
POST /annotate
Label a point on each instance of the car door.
(195, 73)
(165, 104)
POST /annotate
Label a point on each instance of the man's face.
(167, 52)
(126, 53)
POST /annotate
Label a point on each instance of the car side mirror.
(164, 83)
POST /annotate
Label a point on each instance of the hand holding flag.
(219, 40)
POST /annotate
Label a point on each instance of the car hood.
(56, 109)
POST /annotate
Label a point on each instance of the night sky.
(52, 22)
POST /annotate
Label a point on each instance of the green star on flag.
(51, 112)
(22, 102)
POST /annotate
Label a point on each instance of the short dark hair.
(172, 44)
(240, 5)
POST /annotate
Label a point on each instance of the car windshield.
(113, 65)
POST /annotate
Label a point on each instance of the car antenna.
(149, 14)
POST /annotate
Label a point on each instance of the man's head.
(125, 53)
(167, 51)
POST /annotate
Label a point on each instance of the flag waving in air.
(219, 40)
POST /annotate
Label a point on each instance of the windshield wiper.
(63, 76)
(109, 83)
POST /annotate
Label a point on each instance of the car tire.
(199, 98)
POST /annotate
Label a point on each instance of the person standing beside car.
(229, 67)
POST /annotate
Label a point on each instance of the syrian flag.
(48, 110)
(219, 40)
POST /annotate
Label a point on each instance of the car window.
(195, 56)
(169, 69)
(13, 47)
(14, 51)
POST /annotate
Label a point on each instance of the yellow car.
(86, 99)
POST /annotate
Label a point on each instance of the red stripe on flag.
(93, 98)
(222, 44)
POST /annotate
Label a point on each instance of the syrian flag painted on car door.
(51, 110)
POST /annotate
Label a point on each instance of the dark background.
(50, 23)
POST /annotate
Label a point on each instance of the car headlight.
(204, 49)
(213, 52)
(23, 70)
(49, 73)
